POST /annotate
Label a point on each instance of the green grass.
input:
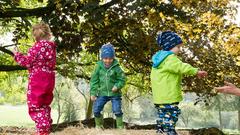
(18, 116)
(231, 132)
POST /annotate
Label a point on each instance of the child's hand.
(114, 89)
(93, 98)
(202, 74)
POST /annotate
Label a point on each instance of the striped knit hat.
(168, 40)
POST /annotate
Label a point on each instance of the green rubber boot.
(99, 122)
(119, 122)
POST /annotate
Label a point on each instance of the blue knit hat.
(168, 40)
(107, 51)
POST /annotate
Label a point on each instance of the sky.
(6, 39)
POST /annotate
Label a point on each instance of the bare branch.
(11, 68)
(3, 49)
(23, 12)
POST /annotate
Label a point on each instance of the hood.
(159, 57)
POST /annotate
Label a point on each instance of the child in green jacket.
(166, 77)
(106, 83)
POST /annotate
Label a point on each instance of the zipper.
(108, 78)
(107, 82)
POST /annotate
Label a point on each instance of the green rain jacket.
(166, 77)
(104, 79)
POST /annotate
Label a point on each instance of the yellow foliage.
(177, 3)
(233, 46)
(238, 63)
(58, 4)
(215, 3)
(211, 19)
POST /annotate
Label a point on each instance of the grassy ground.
(92, 131)
(88, 131)
(233, 132)
(18, 116)
(78, 131)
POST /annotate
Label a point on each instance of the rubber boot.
(119, 122)
(99, 122)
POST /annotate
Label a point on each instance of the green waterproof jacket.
(104, 79)
(166, 77)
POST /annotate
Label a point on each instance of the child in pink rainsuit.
(40, 62)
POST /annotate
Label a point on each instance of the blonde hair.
(41, 31)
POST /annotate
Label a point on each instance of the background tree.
(224, 103)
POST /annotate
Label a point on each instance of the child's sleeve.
(175, 65)
(94, 81)
(121, 79)
(26, 60)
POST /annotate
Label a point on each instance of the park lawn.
(18, 116)
(11, 116)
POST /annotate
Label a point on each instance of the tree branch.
(86, 64)
(23, 12)
(3, 49)
(8, 45)
(11, 68)
(41, 11)
(109, 4)
(171, 10)
(83, 76)
(103, 7)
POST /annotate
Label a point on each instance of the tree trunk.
(219, 112)
(220, 119)
(86, 101)
(238, 113)
(89, 109)
(58, 108)
(239, 120)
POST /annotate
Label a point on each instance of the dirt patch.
(86, 127)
